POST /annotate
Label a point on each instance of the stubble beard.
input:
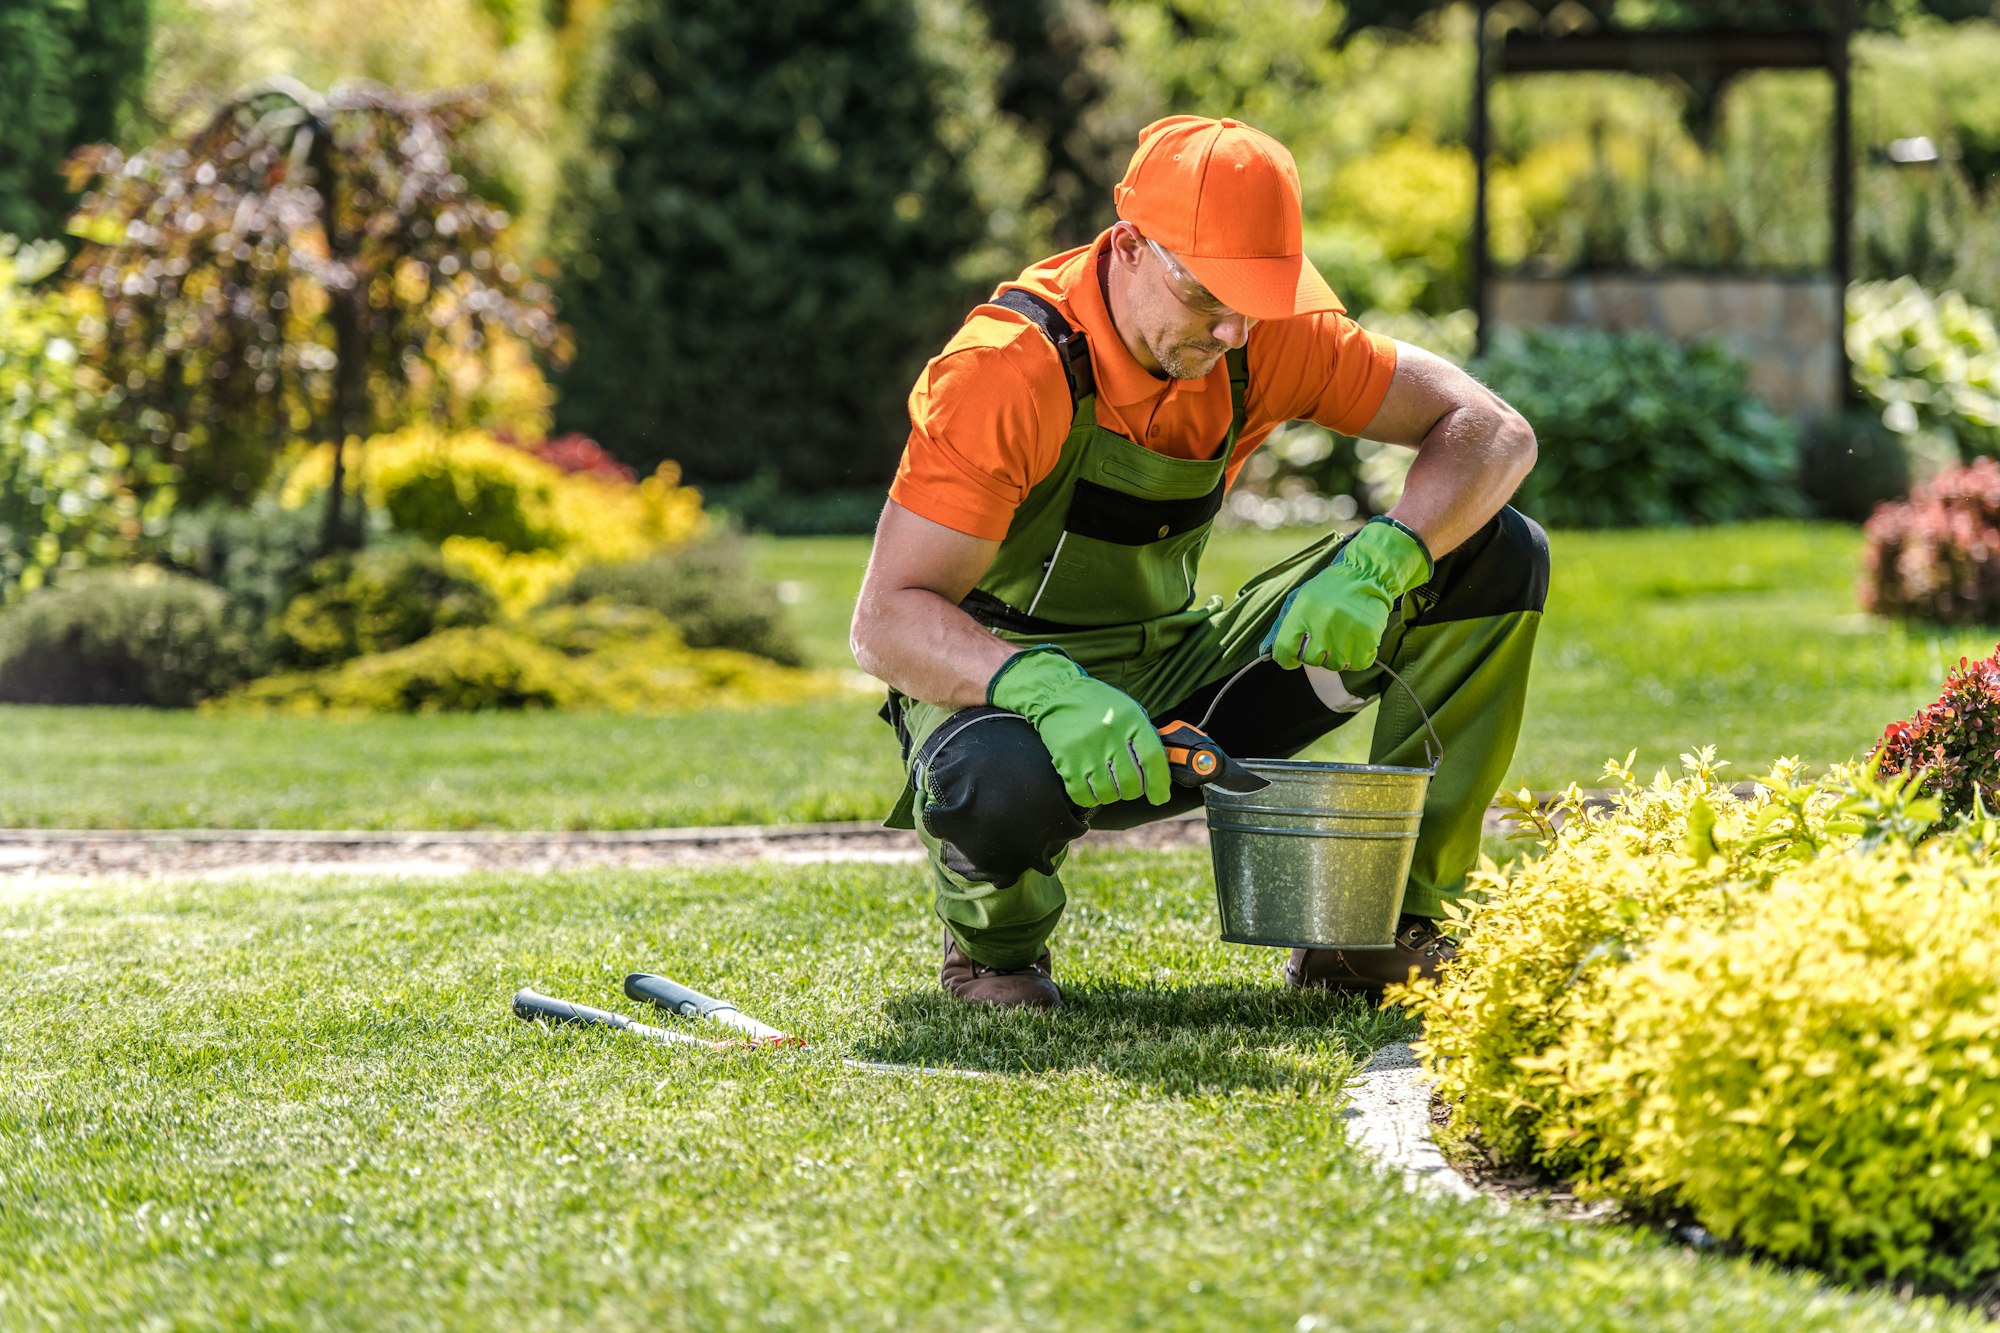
(1183, 361)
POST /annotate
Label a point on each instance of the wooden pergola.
(1704, 58)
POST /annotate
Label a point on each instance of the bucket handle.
(1433, 747)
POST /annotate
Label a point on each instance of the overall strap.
(1070, 343)
(1238, 360)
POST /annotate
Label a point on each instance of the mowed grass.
(1747, 637)
(302, 1103)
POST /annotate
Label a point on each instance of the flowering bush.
(1955, 742)
(1936, 556)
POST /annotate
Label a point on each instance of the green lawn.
(301, 1103)
(1746, 637)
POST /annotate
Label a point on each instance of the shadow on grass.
(1188, 1039)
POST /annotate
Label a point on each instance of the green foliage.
(1772, 1011)
(595, 656)
(514, 521)
(1818, 1079)
(760, 243)
(375, 600)
(1056, 82)
(1637, 430)
(1540, 937)
(120, 637)
(1930, 365)
(707, 590)
(765, 504)
(67, 499)
(259, 555)
(71, 73)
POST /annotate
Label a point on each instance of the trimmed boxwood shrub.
(1936, 556)
(141, 636)
(1637, 430)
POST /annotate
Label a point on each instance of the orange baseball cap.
(1225, 199)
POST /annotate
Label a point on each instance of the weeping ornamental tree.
(301, 266)
(761, 239)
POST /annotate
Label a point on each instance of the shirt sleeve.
(1326, 369)
(987, 423)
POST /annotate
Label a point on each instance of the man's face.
(1185, 328)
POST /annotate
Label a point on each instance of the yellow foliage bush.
(518, 525)
(1539, 937)
(595, 656)
(1819, 1077)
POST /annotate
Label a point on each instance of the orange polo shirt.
(989, 414)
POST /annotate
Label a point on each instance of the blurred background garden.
(366, 363)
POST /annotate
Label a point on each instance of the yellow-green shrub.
(1817, 1076)
(595, 656)
(1540, 936)
(516, 524)
(374, 600)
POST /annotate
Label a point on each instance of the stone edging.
(1389, 1119)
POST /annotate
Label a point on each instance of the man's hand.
(1103, 744)
(1337, 618)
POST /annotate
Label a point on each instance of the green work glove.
(1103, 744)
(1337, 617)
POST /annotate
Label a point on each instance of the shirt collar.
(1121, 381)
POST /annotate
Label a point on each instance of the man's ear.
(1127, 244)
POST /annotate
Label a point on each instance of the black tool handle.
(1193, 760)
(671, 995)
(531, 1006)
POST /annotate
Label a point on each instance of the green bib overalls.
(1100, 560)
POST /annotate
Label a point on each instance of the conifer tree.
(70, 73)
(759, 243)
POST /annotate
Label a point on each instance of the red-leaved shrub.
(1936, 556)
(573, 452)
(1955, 741)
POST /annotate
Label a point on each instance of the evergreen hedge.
(70, 72)
(759, 240)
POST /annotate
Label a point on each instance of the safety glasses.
(1189, 292)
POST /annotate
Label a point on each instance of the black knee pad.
(990, 795)
(1502, 567)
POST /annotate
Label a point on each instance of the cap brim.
(1265, 288)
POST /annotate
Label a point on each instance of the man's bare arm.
(1472, 449)
(908, 630)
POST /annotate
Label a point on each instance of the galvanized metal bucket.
(1321, 857)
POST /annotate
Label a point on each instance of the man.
(1030, 596)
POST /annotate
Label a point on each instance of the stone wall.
(1783, 325)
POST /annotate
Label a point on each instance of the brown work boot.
(1012, 988)
(1419, 948)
